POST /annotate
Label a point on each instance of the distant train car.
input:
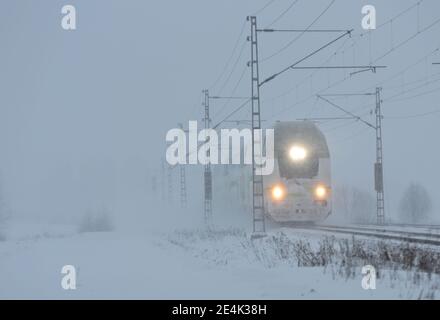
(299, 189)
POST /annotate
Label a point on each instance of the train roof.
(301, 132)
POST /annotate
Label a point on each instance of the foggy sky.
(83, 114)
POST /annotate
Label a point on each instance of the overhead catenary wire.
(425, 79)
(356, 117)
(240, 107)
(399, 15)
(233, 68)
(282, 14)
(413, 116)
(415, 96)
(393, 97)
(381, 25)
(231, 96)
(379, 84)
(394, 18)
(419, 31)
(295, 87)
(305, 58)
(404, 42)
(228, 62)
(264, 7)
(386, 22)
(350, 137)
(407, 68)
(300, 35)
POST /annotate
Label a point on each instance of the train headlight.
(278, 192)
(297, 153)
(321, 192)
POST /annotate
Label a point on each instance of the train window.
(303, 170)
(298, 147)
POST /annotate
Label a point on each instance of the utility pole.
(378, 167)
(207, 175)
(183, 194)
(258, 210)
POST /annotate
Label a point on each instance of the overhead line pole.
(378, 168)
(258, 206)
(207, 174)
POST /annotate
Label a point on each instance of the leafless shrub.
(306, 256)
(343, 257)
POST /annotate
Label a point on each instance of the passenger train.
(299, 189)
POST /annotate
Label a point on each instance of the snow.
(189, 263)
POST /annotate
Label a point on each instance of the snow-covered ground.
(189, 263)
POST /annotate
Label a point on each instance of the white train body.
(299, 189)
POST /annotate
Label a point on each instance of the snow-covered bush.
(96, 222)
(349, 254)
(343, 256)
(397, 264)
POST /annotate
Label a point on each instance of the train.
(299, 189)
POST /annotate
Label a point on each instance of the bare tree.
(415, 204)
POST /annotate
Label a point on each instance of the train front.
(299, 190)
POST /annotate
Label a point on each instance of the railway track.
(384, 233)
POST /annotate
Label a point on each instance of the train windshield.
(298, 148)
